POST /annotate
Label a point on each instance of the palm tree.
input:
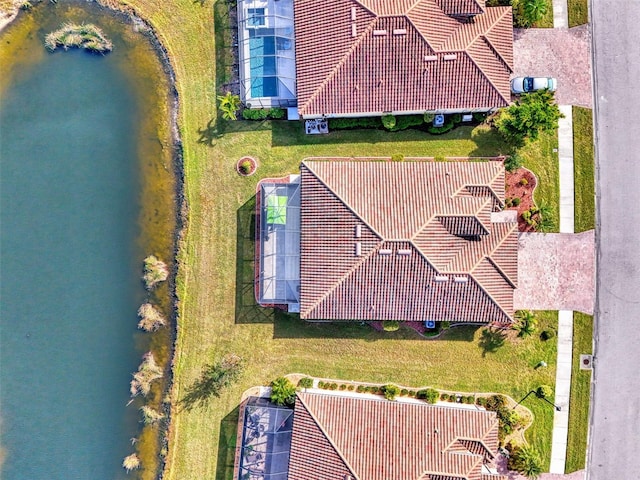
(545, 222)
(229, 105)
(525, 323)
(534, 10)
(527, 461)
(283, 392)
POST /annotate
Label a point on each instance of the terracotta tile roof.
(374, 56)
(405, 241)
(335, 436)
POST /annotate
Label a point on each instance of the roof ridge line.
(496, 51)
(349, 272)
(342, 61)
(480, 441)
(493, 25)
(344, 202)
(488, 294)
(329, 439)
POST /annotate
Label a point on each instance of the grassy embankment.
(583, 169)
(578, 11)
(580, 394)
(217, 311)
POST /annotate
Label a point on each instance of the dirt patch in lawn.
(521, 185)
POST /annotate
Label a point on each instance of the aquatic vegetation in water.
(72, 35)
(148, 371)
(150, 415)
(155, 271)
(131, 462)
(151, 319)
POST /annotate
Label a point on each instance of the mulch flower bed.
(246, 166)
(517, 188)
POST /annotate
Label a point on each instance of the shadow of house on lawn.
(247, 309)
(227, 444)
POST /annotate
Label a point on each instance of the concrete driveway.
(556, 52)
(556, 271)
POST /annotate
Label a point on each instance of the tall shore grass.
(72, 35)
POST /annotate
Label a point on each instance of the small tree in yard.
(531, 115)
(545, 223)
(513, 162)
(525, 323)
(213, 379)
(544, 391)
(526, 460)
(527, 13)
(283, 392)
(229, 105)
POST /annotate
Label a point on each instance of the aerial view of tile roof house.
(372, 57)
(328, 437)
(378, 240)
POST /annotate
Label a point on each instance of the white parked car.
(531, 84)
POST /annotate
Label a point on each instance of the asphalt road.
(614, 444)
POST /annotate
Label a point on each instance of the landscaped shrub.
(277, 113)
(321, 384)
(513, 162)
(305, 382)
(444, 325)
(412, 393)
(361, 389)
(547, 335)
(397, 157)
(524, 181)
(263, 113)
(508, 202)
(469, 399)
(407, 121)
(351, 387)
(404, 392)
(283, 392)
(246, 166)
(391, 391)
(481, 401)
(439, 158)
(444, 397)
(508, 418)
(454, 398)
(390, 325)
(346, 123)
(429, 395)
(428, 117)
(333, 386)
(448, 125)
(342, 386)
(479, 117)
(515, 201)
(457, 118)
(495, 402)
(388, 121)
(544, 391)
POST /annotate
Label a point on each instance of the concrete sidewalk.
(560, 14)
(562, 391)
(565, 154)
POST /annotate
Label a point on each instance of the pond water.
(86, 191)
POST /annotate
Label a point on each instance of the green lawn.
(217, 312)
(580, 394)
(583, 169)
(578, 11)
(541, 158)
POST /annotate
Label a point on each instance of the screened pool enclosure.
(279, 278)
(266, 441)
(267, 53)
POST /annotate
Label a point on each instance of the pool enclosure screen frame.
(266, 47)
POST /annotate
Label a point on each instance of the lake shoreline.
(129, 16)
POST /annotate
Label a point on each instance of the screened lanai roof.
(266, 441)
(279, 280)
(267, 52)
